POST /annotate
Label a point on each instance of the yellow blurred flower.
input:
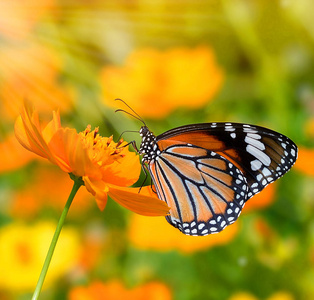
(309, 126)
(23, 249)
(276, 296)
(273, 250)
(114, 289)
(154, 82)
(31, 71)
(156, 234)
(305, 162)
(106, 167)
(243, 296)
(281, 295)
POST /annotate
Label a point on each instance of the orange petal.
(144, 203)
(63, 146)
(29, 134)
(52, 126)
(98, 189)
(70, 154)
(23, 138)
(124, 172)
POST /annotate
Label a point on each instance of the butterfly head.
(148, 146)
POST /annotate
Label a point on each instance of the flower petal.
(124, 172)
(98, 189)
(144, 202)
(70, 154)
(63, 145)
(52, 126)
(22, 135)
(29, 134)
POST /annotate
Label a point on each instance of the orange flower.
(154, 83)
(263, 199)
(156, 234)
(115, 290)
(305, 162)
(106, 167)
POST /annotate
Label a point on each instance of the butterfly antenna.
(126, 112)
(136, 115)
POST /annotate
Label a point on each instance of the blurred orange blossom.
(12, 155)
(114, 289)
(156, 234)
(40, 193)
(305, 162)
(154, 82)
(263, 199)
(105, 167)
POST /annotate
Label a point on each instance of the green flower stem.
(77, 183)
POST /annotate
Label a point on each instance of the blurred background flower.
(149, 78)
(175, 63)
(24, 247)
(155, 234)
(116, 290)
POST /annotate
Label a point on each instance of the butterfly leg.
(133, 143)
(144, 168)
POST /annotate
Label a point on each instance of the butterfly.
(206, 172)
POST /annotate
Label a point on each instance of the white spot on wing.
(256, 165)
(260, 155)
(292, 152)
(266, 172)
(254, 136)
(254, 142)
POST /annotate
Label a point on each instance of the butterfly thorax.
(148, 148)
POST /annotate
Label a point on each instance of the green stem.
(77, 183)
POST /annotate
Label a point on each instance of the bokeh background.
(175, 62)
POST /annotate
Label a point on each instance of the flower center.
(101, 150)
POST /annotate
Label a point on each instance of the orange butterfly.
(206, 172)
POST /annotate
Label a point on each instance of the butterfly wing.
(204, 190)
(261, 154)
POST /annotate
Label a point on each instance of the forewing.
(204, 190)
(261, 154)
